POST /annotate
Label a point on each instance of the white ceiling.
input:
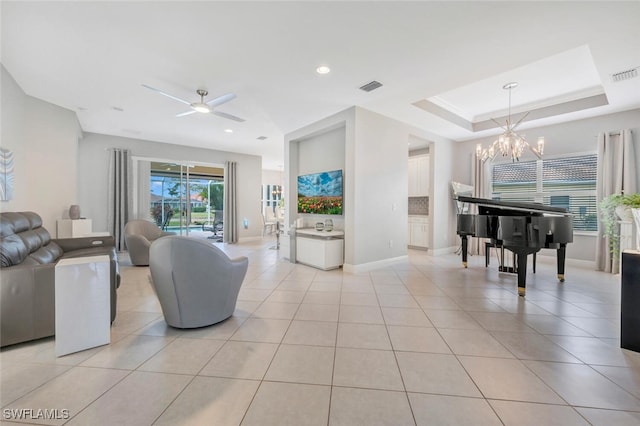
(93, 57)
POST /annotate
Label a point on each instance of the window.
(271, 196)
(568, 182)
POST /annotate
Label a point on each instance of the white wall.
(94, 164)
(380, 170)
(578, 136)
(272, 177)
(321, 153)
(44, 140)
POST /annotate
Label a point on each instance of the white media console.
(320, 249)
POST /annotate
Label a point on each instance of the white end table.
(73, 228)
(83, 304)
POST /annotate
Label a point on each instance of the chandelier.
(509, 143)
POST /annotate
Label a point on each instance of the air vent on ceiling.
(371, 86)
(624, 75)
(261, 138)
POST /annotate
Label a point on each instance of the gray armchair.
(138, 235)
(197, 283)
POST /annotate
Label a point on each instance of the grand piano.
(523, 228)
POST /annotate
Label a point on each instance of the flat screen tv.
(320, 193)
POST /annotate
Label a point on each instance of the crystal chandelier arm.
(520, 121)
(500, 125)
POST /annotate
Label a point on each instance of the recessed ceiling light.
(323, 69)
(228, 130)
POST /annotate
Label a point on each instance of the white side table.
(73, 228)
(83, 304)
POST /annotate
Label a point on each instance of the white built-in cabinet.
(320, 249)
(419, 231)
(419, 176)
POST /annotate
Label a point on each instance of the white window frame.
(540, 195)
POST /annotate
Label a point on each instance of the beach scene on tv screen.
(320, 193)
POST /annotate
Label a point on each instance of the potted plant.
(612, 208)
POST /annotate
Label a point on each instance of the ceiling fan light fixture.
(201, 107)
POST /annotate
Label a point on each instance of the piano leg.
(562, 251)
(465, 243)
(522, 273)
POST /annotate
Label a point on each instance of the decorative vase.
(636, 219)
(328, 225)
(624, 213)
(74, 212)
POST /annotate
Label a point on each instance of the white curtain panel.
(142, 208)
(616, 175)
(120, 194)
(231, 229)
(480, 170)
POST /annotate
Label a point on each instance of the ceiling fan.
(207, 107)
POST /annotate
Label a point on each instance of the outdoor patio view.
(178, 203)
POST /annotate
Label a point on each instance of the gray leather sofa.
(197, 283)
(28, 257)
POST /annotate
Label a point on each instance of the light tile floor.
(421, 342)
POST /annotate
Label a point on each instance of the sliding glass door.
(184, 198)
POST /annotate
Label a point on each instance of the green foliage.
(216, 191)
(156, 212)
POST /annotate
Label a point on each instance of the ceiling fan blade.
(167, 95)
(229, 116)
(182, 114)
(221, 99)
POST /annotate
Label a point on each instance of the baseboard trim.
(568, 261)
(245, 239)
(440, 252)
(366, 267)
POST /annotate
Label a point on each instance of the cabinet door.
(426, 234)
(418, 234)
(420, 237)
(422, 178)
(413, 177)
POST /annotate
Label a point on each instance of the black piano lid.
(510, 205)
